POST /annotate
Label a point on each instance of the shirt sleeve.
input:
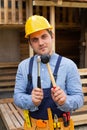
(73, 89)
(21, 99)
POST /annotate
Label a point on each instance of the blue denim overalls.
(47, 102)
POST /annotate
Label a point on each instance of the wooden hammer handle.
(51, 75)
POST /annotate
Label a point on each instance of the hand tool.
(65, 119)
(68, 118)
(57, 124)
(27, 118)
(38, 71)
(55, 121)
(45, 59)
(50, 119)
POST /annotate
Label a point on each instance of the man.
(66, 96)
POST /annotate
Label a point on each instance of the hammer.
(38, 71)
(45, 60)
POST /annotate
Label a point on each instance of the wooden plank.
(85, 99)
(7, 83)
(6, 100)
(84, 89)
(8, 71)
(6, 11)
(20, 11)
(20, 111)
(8, 77)
(6, 89)
(79, 116)
(19, 118)
(79, 119)
(84, 81)
(64, 4)
(83, 71)
(7, 120)
(13, 11)
(29, 12)
(52, 21)
(0, 12)
(12, 116)
(82, 109)
(9, 64)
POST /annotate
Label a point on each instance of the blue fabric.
(47, 102)
(68, 79)
(57, 67)
(30, 85)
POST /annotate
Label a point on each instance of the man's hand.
(37, 96)
(58, 95)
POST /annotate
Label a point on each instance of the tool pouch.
(37, 125)
(44, 125)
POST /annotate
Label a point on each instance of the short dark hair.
(50, 32)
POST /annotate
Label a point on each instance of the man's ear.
(53, 35)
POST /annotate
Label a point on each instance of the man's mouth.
(43, 48)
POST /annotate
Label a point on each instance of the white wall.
(9, 45)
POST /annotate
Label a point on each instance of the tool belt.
(50, 124)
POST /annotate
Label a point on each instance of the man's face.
(41, 42)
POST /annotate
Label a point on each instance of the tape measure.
(50, 119)
(27, 118)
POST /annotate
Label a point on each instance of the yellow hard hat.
(36, 23)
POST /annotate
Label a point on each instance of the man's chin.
(44, 53)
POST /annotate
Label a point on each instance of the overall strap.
(30, 69)
(57, 67)
(55, 70)
(29, 76)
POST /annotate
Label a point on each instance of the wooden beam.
(52, 21)
(5, 11)
(0, 12)
(20, 11)
(64, 4)
(29, 12)
(29, 8)
(13, 12)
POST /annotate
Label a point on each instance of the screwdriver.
(65, 119)
(68, 118)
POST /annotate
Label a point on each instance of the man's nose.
(40, 41)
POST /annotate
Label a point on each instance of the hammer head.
(45, 58)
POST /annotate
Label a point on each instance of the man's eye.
(34, 40)
(44, 36)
